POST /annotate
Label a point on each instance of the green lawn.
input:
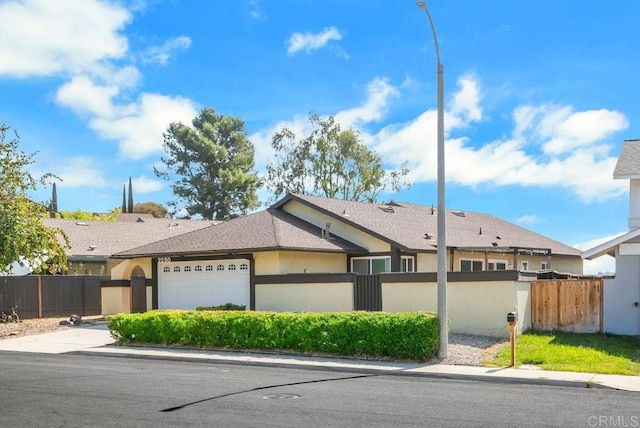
(589, 353)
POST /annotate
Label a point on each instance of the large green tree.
(24, 237)
(329, 162)
(210, 166)
(153, 208)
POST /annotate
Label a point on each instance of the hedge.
(407, 335)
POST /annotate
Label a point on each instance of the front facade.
(306, 235)
(622, 292)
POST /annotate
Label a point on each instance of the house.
(622, 292)
(93, 242)
(327, 240)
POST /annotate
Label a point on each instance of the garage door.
(187, 285)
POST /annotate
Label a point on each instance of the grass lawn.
(589, 353)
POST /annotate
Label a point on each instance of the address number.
(164, 259)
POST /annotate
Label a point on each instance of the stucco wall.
(472, 307)
(568, 264)
(305, 297)
(620, 315)
(284, 262)
(427, 262)
(116, 300)
(123, 270)
(339, 228)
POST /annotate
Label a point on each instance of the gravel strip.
(471, 350)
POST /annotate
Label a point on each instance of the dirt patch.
(33, 326)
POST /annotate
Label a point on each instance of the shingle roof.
(628, 165)
(405, 225)
(270, 229)
(102, 239)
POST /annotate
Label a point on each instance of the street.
(75, 390)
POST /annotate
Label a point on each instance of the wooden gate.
(367, 293)
(571, 305)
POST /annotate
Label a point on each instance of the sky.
(538, 96)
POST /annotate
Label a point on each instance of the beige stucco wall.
(123, 270)
(116, 300)
(339, 228)
(472, 307)
(427, 262)
(284, 262)
(568, 264)
(333, 297)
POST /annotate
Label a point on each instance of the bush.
(225, 307)
(410, 335)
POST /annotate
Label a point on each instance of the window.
(187, 268)
(198, 268)
(497, 265)
(544, 265)
(232, 267)
(166, 269)
(244, 266)
(471, 265)
(375, 265)
(407, 264)
(176, 268)
(208, 268)
(220, 267)
(525, 265)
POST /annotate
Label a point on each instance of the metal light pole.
(442, 228)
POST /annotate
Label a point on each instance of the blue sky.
(539, 96)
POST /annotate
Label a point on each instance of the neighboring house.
(93, 242)
(622, 292)
(312, 235)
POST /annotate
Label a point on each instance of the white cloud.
(161, 54)
(140, 129)
(83, 96)
(142, 185)
(43, 37)
(310, 42)
(527, 219)
(585, 170)
(80, 171)
(379, 92)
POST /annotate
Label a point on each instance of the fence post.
(39, 296)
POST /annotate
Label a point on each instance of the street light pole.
(442, 228)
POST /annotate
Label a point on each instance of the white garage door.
(187, 285)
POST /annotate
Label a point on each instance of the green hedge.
(412, 335)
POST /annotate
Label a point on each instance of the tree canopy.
(210, 166)
(329, 162)
(153, 208)
(24, 238)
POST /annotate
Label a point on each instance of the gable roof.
(609, 247)
(628, 165)
(100, 239)
(414, 227)
(265, 230)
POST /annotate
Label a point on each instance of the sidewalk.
(96, 340)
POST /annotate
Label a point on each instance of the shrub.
(225, 307)
(411, 335)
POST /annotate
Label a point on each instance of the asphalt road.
(38, 390)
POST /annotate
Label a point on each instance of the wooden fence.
(42, 296)
(571, 305)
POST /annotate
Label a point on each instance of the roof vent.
(433, 211)
(139, 220)
(428, 236)
(498, 237)
(82, 223)
(480, 233)
(386, 208)
(458, 213)
(92, 248)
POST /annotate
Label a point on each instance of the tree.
(130, 204)
(210, 166)
(24, 238)
(156, 210)
(124, 198)
(53, 206)
(89, 216)
(329, 162)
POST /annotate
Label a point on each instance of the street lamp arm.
(422, 5)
